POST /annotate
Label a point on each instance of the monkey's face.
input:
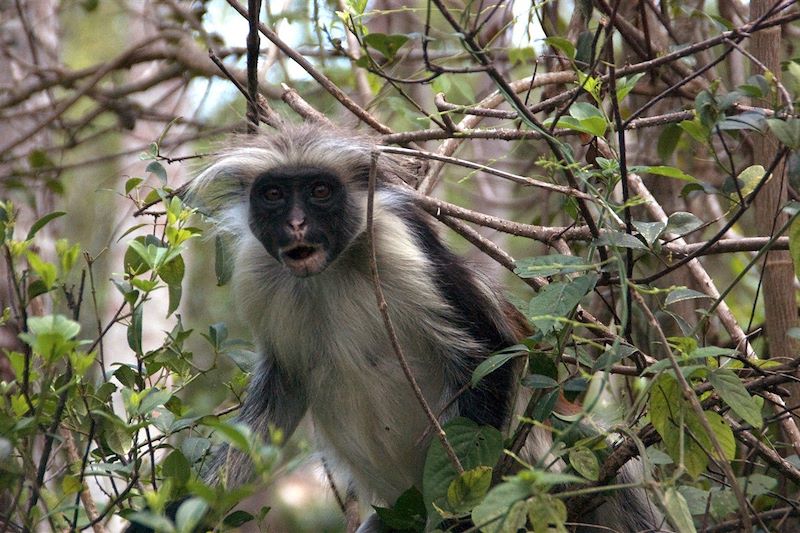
(301, 217)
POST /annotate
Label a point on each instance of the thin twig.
(384, 310)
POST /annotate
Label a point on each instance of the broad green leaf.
(493, 514)
(747, 181)
(51, 336)
(682, 222)
(696, 129)
(223, 265)
(678, 511)
(551, 265)
(547, 514)
(668, 141)
(468, 489)
(538, 381)
(585, 462)
(158, 169)
(619, 239)
(732, 391)
(562, 44)
(176, 468)
(407, 514)
(758, 484)
(388, 45)
(557, 300)
(670, 414)
(680, 294)
(474, 445)
(651, 231)
(189, 515)
(787, 131)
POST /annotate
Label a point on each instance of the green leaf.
(388, 45)
(493, 514)
(152, 399)
(407, 514)
(696, 129)
(547, 514)
(474, 446)
(238, 518)
(158, 169)
(551, 265)
(650, 231)
(562, 44)
(42, 222)
(223, 266)
(468, 489)
(747, 181)
(668, 141)
(134, 332)
(538, 381)
(619, 239)
(497, 360)
(176, 468)
(749, 120)
(669, 414)
(626, 85)
(733, 393)
(680, 294)
(189, 515)
(794, 245)
(678, 511)
(51, 336)
(682, 222)
(787, 131)
(662, 170)
(585, 462)
(558, 300)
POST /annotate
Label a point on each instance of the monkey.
(294, 204)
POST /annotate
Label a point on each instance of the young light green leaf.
(468, 489)
(663, 170)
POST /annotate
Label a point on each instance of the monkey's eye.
(321, 191)
(273, 194)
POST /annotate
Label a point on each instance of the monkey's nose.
(296, 224)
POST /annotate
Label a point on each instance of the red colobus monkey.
(295, 205)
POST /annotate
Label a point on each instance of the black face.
(301, 216)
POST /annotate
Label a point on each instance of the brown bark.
(778, 273)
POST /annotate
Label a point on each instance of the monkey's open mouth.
(304, 259)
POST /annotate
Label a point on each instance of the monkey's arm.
(272, 401)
